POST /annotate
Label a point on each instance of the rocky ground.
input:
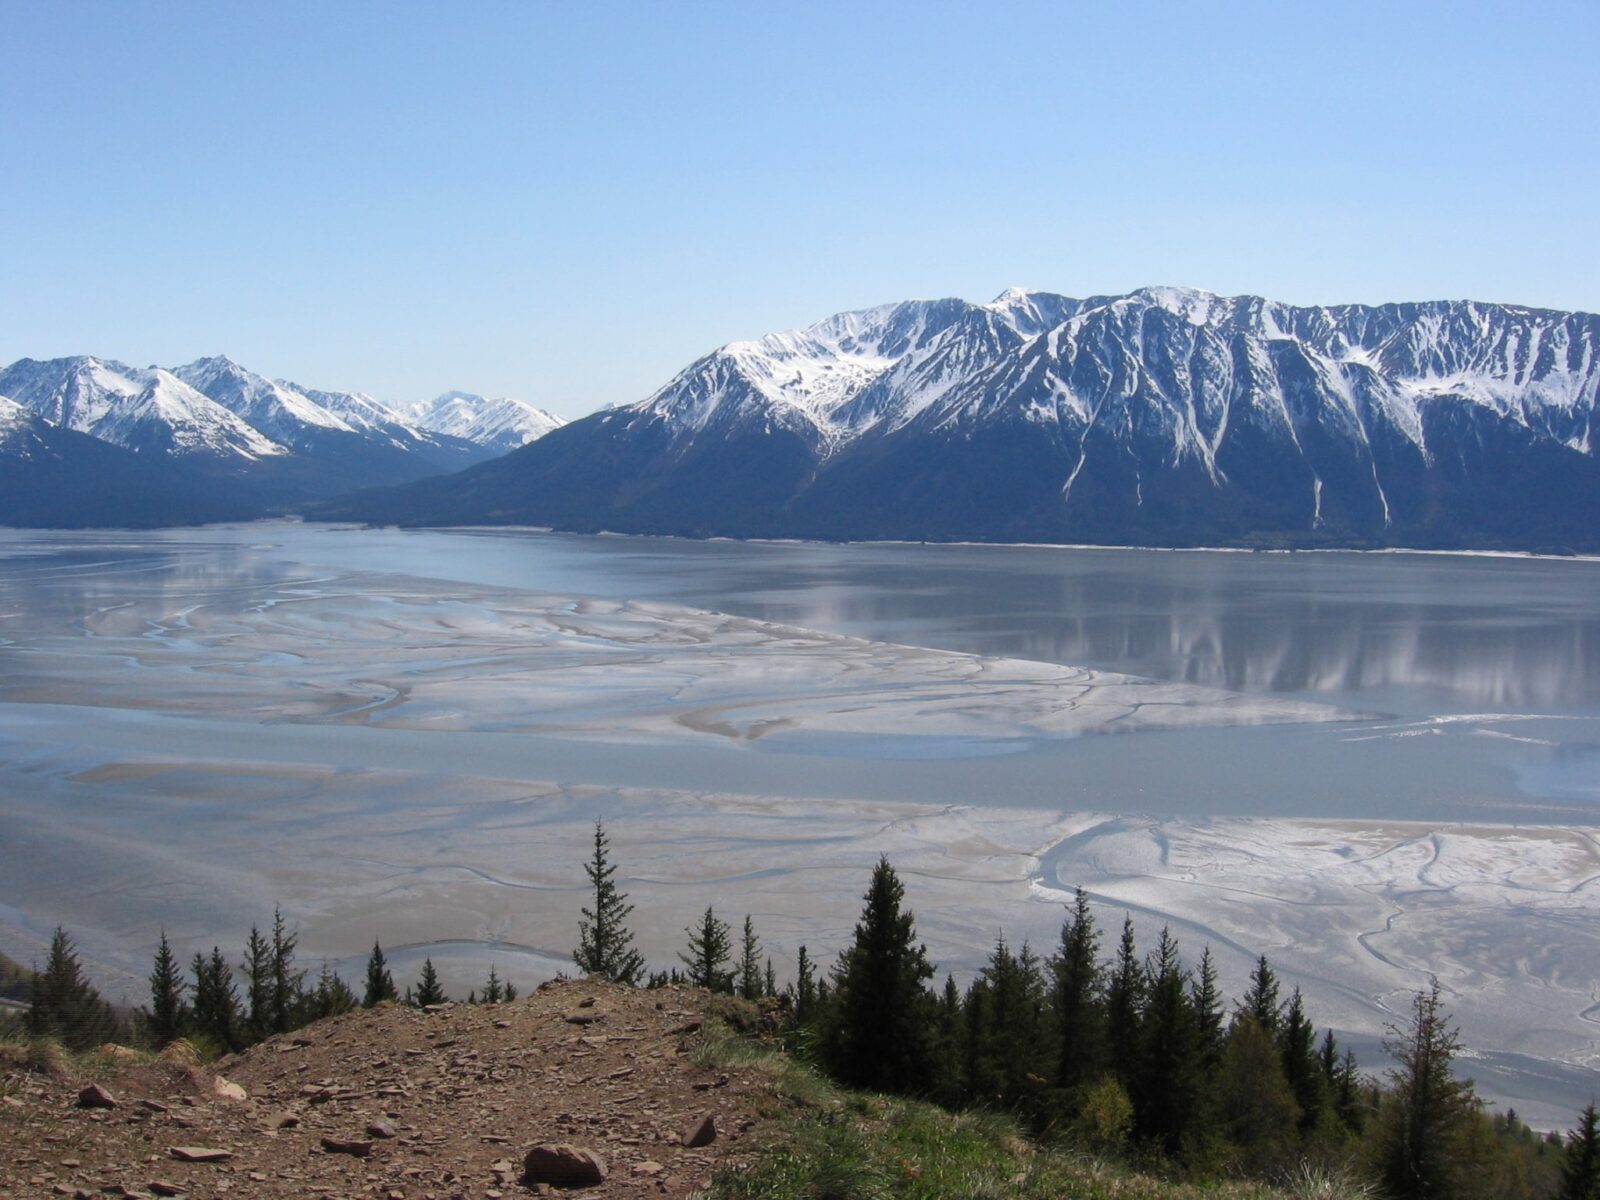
(397, 1103)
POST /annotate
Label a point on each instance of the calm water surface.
(1480, 676)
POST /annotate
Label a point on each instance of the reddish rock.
(199, 1154)
(564, 1165)
(351, 1146)
(382, 1129)
(95, 1096)
(702, 1133)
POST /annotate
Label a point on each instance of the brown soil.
(465, 1091)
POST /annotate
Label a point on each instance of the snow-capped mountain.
(265, 445)
(144, 409)
(501, 424)
(1166, 416)
(53, 476)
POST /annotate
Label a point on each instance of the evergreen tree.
(1432, 1110)
(493, 990)
(750, 962)
(1580, 1169)
(1166, 1074)
(167, 1014)
(216, 1001)
(1076, 971)
(1008, 1029)
(805, 989)
(331, 997)
(510, 992)
(1205, 999)
(949, 1078)
(63, 1005)
(1261, 999)
(1297, 1043)
(428, 989)
(881, 1027)
(1256, 1109)
(709, 947)
(286, 981)
(769, 981)
(605, 945)
(1124, 1002)
(380, 983)
(257, 968)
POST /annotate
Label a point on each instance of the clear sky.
(569, 202)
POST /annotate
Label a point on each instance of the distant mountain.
(502, 424)
(1167, 416)
(247, 445)
(143, 409)
(56, 477)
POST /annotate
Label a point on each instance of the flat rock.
(226, 1089)
(382, 1129)
(351, 1146)
(199, 1154)
(563, 1165)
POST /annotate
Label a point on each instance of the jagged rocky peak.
(503, 423)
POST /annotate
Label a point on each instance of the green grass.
(826, 1143)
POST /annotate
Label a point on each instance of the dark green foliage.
(1297, 1043)
(216, 1002)
(707, 960)
(879, 1032)
(605, 944)
(805, 988)
(331, 997)
(380, 983)
(749, 962)
(1205, 1000)
(769, 981)
(428, 990)
(286, 981)
(63, 1005)
(493, 990)
(1166, 1073)
(1430, 1111)
(1124, 1004)
(257, 968)
(1076, 976)
(1580, 1168)
(1006, 1016)
(16, 981)
(1261, 1000)
(168, 1014)
(1256, 1109)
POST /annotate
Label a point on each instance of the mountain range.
(211, 440)
(1167, 416)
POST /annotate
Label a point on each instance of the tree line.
(1129, 1054)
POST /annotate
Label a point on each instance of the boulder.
(226, 1089)
(702, 1133)
(563, 1165)
(95, 1096)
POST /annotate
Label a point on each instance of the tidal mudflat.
(196, 727)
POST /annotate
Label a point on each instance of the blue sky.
(568, 202)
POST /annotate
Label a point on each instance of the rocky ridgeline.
(580, 1085)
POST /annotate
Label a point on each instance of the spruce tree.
(331, 997)
(63, 1005)
(1580, 1168)
(1297, 1042)
(805, 988)
(750, 962)
(216, 1001)
(605, 945)
(882, 1017)
(1261, 998)
(257, 968)
(1205, 998)
(167, 1014)
(1166, 1088)
(1076, 972)
(493, 990)
(1432, 1110)
(769, 981)
(1124, 1003)
(1256, 1109)
(286, 981)
(380, 983)
(428, 989)
(709, 946)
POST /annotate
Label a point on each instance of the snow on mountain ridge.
(280, 412)
(503, 422)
